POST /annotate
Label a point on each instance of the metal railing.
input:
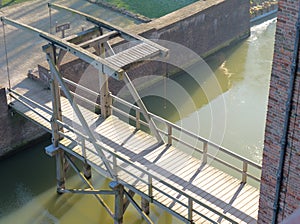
(152, 182)
(147, 179)
(207, 149)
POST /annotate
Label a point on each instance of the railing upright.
(244, 173)
(170, 137)
(137, 119)
(115, 165)
(204, 156)
(150, 188)
(190, 209)
(83, 147)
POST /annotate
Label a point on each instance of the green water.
(27, 189)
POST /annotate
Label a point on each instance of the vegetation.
(150, 8)
(158, 8)
(259, 7)
(260, 2)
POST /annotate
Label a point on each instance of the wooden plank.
(133, 54)
(179, 169)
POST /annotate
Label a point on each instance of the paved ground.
(24, 49)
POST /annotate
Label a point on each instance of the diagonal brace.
(137, 207)
(78, 113)
(139, 102)
(99, 198)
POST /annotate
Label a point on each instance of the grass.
(151, 8)
(12, 2)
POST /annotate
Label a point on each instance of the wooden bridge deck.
(138, 159)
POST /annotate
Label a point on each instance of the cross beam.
(85, 55)
(101, 23)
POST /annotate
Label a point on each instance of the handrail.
(31, 108)
(116, 157)
(81, 87)
(245, 162)
(30, 101)
(151, 177)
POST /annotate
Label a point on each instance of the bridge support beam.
(57, 115)
(145, 204)
(105, 98)
(119, 201)
(60, 171)
(87, 171)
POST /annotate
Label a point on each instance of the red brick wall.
(290, 188)
(15, 131)
(204, 27)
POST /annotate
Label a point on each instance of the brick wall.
(290, 188)
(15, 130)
(204, 27)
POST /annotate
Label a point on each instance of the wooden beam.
(98, 40)
(101, 23)
(83, 54)
(55, 72)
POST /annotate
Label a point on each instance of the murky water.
(27, 188)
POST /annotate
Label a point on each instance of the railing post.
(150, 188)
(204, 156)
(170, 135)
(115, 165)
(244, 174)
(137, 120)
(83, 148)
(190, 210)
(87, 169)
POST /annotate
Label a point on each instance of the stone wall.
(204, 27)
(281, 71)
(15, 130)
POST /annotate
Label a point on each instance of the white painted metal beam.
(96, 61)
(101, 23)
(55, 72)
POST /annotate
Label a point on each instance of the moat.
(243, 72)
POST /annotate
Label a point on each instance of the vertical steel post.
(170, 135)
(57, 115)
(137, 120)
(105, 98)
(244, 173)
(119, 201)
(204, 157)
(190, 210)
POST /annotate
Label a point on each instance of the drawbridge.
(138, 162)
